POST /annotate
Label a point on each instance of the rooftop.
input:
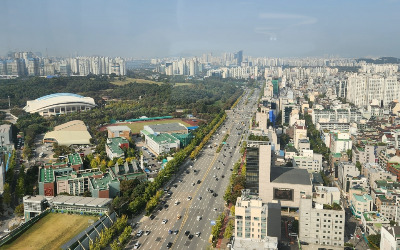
(362, 198)
(163, 138)
(114, 144)
(81, 201)
(167, 127)
(290, 176)
(58, 95)
(118, 128)
(75, 159)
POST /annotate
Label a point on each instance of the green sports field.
(137, 126)
(51, 232)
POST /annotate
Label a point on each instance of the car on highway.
(215, 194)
(193, 184)
(198, 234)
(136, 246)
(178, 217)
(215, 209)
(199, 198)
(170, 231)
(198, 181)
(177, 203)
(187, 233)
(190, 236)
(198, 218)
(138, 234)
(147, 232)
(169, 245)
(176, 232)
(222, 176)
(189, 198)
(152, 217)
(164, 221)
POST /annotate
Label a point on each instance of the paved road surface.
(208, 206)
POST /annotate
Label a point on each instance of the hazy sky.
(144, 29)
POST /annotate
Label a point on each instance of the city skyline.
(162, 29)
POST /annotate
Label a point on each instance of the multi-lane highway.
(191, 206)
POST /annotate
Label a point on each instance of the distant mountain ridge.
(381, 60)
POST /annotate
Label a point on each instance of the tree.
(120, 161)
(20, 189)
(19, 210)
(87, 193)
(374, 240)
(7, 194)
(349, 153)
(93, 163)
(233, 211)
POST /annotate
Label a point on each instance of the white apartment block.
(363, 88)
(347, 115)
(255, 219)
(360, 204)
(321, 226)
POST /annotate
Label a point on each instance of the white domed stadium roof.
(57, 100)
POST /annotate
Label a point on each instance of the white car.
(189, 198)
(139, 233)
(137, 245)
(164, 221)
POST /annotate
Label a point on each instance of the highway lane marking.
(197, 190)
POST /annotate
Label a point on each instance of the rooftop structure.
(114, 147)
(166, 128)
(70, 133)
(59, 103)
(119, 131)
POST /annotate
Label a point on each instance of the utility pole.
(9, 102)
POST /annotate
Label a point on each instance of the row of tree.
(107, 234)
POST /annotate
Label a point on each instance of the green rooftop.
(115, 143)
(163, 138)
(75, 159)
(102, 183)
(362, 198)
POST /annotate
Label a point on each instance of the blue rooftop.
(57, 95)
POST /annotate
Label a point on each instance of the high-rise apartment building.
(362, 89)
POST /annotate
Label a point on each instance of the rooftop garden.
(334, 206)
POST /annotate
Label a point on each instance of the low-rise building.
(114, 147)
(360, 204)
(309, 160)
(60, 179)
(34, 205)
(321, 225)
(119, 131)
(374, 172)
(81, 205)
(390, 238)
(373, 221)
(267, 243)
(161, 143)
